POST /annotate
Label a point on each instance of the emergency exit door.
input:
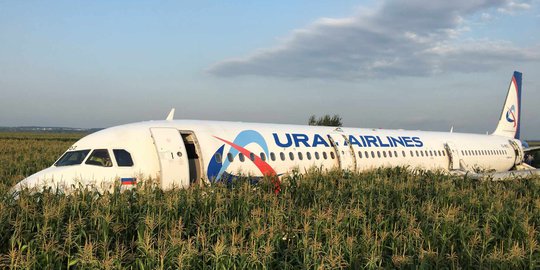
(173, 159)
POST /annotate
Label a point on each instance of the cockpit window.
(99, 157)
(72, 158)
(123, 158)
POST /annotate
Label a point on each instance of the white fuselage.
(181, 152)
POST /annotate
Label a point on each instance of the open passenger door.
(173, 158)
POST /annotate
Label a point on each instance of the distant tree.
(326, 120)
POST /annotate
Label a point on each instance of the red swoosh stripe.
(264, 167)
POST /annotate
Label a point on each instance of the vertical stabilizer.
(509, 123)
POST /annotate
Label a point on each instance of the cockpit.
(96, 157)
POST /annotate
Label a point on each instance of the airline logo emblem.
(217, 169)
(511, 115)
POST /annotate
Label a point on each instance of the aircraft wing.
(531, 149)
(498, 176)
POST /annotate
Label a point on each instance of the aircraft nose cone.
(30, 182)
(64, 179)
(47, 178)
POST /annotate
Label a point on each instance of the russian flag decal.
(128, 181)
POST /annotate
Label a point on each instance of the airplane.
(183, 153)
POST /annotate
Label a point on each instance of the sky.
(421, 65)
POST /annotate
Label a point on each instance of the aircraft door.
(453, 156)
(344, 151)
(173, 159)
(517, 152)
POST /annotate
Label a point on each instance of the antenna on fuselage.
(171, 115)
(452, 129)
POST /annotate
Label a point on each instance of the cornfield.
(391, 218)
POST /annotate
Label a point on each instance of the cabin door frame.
(195, 157)
(517, 152)
(172, 155)
(454, 158)
(344, 151)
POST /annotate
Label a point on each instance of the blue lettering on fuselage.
(381, 142)
(300, 138)
(317, 140)
(408, 141)
(280, 144)
(418, 142)
(371, 140)
(354, 141)
(396, 141)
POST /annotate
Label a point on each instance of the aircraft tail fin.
(510, 121)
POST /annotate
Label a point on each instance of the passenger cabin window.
(99, 157)
(282, 156)
(72, 158)
(263, 156)
(332, 155)
(291, 155)
(272, 156)
(308, 155)
(317, 155)
(324, 155)
(123, 158)
(241, 157)
(217, 156)
(230, 157)
(300, 157)
(252, 156)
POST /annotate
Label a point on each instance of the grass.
(391, 218)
